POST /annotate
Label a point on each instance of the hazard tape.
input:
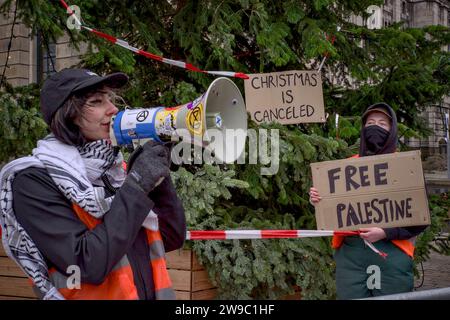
(263, 234)
(272, 234)
(149, 55)
(371, 246)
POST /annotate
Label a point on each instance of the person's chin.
(105, 134)
(99, 137)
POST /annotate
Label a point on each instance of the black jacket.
(389, 147)
(47, 215)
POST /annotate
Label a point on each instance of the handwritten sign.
(377, 191)
(287, 97)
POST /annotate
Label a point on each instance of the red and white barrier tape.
(272, 234)
(263, 234)
(371, 246)
(149, 55)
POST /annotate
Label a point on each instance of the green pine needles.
(21, 124)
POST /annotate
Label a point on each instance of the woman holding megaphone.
(75, 222)
(355, 262)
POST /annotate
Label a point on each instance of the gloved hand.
(148, 166)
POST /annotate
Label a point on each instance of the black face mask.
(376, 138)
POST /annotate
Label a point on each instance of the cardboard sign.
(377, 191)
(286, 97)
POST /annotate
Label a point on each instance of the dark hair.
(63, 122)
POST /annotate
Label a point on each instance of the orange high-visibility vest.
(407, 246)
(119, 283)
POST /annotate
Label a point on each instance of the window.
(45, 56)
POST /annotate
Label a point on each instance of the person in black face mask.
(352, 256)
(379, 133)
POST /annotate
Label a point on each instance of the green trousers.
(361, 273)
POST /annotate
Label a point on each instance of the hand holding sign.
(314, 196)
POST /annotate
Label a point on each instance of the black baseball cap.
(61, 85)
(377, 107)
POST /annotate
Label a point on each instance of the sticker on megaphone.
(134, 124)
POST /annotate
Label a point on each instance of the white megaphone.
(220, 110)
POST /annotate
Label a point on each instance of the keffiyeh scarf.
(77, 173)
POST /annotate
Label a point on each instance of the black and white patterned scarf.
(77, 173)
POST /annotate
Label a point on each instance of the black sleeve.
(403, 233)
(171, 218)
(63, 239)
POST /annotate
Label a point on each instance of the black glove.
(148, 166)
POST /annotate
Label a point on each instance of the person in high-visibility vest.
(355, 262)
(75, 221)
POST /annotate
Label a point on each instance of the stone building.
(417, 14)
(31, 58)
